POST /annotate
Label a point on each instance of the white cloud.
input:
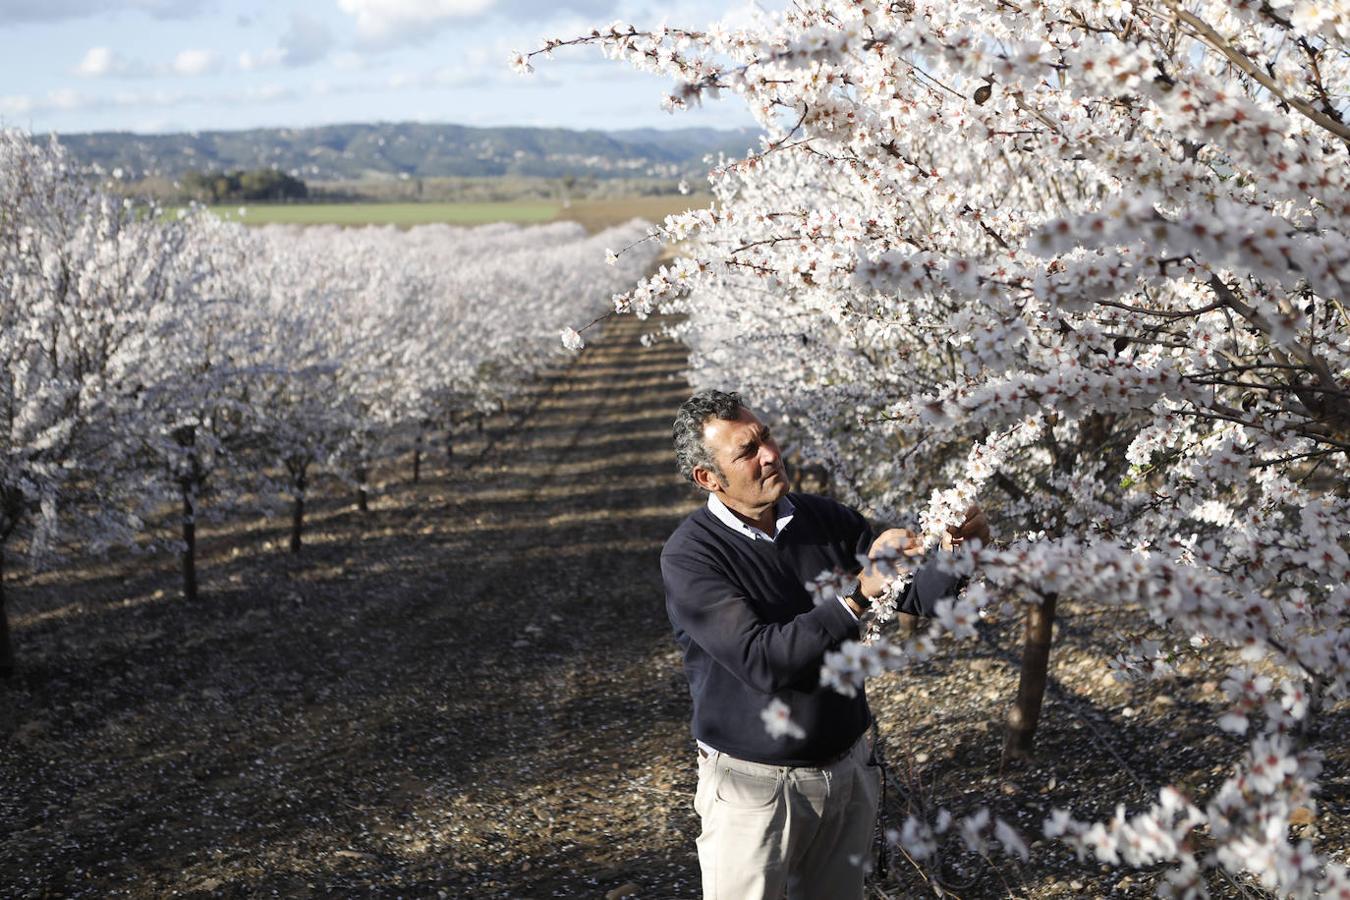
(17, 105)
(390, 22)
(62, 100)
(157, 124)
(66, 100)
(104, 62)
(268, 93)
(196, 62)
(99, 62)
(267, 59)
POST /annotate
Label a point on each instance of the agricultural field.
(600, 214)
(471, 690)
(595, 215)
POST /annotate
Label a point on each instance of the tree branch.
(1218, 42)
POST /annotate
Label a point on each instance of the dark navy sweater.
(750, 631)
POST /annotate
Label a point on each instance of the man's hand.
(976, 525)
(893, 539)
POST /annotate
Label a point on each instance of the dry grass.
(597, 215)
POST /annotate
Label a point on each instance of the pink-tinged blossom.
(829, 586)
(778, 720)
(957, 617)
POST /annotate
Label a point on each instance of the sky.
(155, 66)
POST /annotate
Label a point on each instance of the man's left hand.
(976, 525)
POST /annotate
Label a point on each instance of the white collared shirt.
(783, 513)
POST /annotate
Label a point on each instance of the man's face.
(751, 464)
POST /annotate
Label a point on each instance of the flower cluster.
(978, 831)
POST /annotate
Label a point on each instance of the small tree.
(84, 280)
(195, 401)
(301, 413)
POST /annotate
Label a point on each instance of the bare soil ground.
(471, 691)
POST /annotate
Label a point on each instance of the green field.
(403, 214)
(594, 214)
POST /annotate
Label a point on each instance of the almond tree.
(301, 415)
(84, 280)
(196, 400)
(1091, 256)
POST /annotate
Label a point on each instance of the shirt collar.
(783, 513)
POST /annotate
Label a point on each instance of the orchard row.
(148, 360)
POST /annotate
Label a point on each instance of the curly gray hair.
(690, 451)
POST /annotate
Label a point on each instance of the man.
(792, 813)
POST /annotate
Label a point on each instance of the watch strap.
(863, 601)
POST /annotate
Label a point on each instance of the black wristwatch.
(864, 602)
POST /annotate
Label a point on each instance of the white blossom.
(572, 340)
(778, 721)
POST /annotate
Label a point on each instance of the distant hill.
(359, 151)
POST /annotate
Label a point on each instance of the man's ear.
(704, 478)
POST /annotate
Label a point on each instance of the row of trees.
(241, 184)
(147, 361)
(1086, 261)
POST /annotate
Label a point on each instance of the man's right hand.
(895, 540)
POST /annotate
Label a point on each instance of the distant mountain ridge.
(407, 149)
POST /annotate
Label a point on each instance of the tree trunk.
(298, 514)
(450, 446)
(6, 647)
(417, 458)
(1026, 712)
(189, 543)
(362, 494)
(189, 484)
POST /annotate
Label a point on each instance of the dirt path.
(471, 691)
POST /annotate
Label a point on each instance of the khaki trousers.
(775, 831)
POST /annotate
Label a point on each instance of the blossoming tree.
(195, 401)
(84, 279)
(1089, 258)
